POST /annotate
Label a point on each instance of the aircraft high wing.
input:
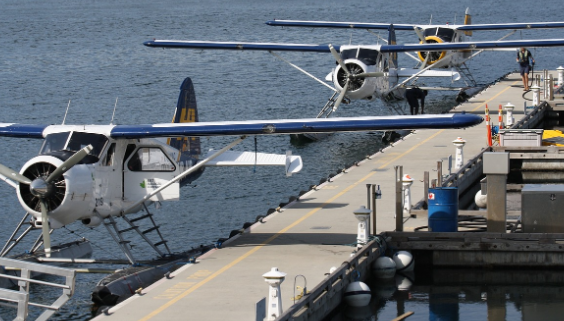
(433, 33)
(364, 71)
(91, 173)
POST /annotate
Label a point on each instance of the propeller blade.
(370, 74)
(45, 229)
(338, 58)
(419, 34)
(13, 175)
(66, 165)
(341, 96)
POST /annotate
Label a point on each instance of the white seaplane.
(92, 173)
(364, 71)
(433, 33)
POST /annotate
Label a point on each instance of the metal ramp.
(118, 234)
(20, 299)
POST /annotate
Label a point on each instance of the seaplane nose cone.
(40, 188)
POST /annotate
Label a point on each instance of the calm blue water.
(91, 52)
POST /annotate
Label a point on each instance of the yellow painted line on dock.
(284, 230)
(499, 93)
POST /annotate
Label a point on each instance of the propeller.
(350, 77)
(43, 187)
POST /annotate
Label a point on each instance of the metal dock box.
(520, 137)
(542, 208)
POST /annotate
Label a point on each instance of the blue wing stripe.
(384, 26)
(331, 24)
(512, 26)
(313, 125)
(22, 130)
(237, 45)
(473, 45)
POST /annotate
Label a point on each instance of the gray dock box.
(542, 208)
(520, 137)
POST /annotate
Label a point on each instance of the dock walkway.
(311, 235)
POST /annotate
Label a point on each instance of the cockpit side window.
(151, 159)
(110, 155)
(445, 34)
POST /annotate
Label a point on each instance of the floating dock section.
(312, 241)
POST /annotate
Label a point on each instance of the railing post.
(399, 197)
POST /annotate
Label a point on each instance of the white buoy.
(481, 200)
(384, 268)
(357, 294)
(404, 261)
(274, 278)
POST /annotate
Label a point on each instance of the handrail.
(22, 296)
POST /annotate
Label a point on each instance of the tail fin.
(186, 112)
(468, 21)
(392, 41)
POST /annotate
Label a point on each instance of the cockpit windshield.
(367, 56)
(443, 33)
(73, 142)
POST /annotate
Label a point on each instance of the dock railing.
(326, 296)
(20, 299)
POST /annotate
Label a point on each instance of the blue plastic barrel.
(443, 209)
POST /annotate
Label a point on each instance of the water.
(90, 52)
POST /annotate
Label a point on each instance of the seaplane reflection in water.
(95, 174)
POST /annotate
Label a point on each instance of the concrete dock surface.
(315, 233)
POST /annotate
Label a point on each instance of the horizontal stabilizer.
(408, 72)
(293, 164)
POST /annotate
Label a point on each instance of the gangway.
(20, 299)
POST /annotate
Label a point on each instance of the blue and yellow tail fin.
(186, 112)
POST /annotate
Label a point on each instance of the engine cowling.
(359, 88)
(434, 56)
(71, 197)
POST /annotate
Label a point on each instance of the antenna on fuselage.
(64, 118)
(114, 113)
(431, 19)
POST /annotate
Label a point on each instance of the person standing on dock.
(413, 95)
(523, 57)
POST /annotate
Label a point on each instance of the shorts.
(525, 69)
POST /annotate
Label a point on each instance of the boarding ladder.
(21, 299)
(464, 71)
(118, 234)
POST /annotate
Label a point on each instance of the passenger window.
(150, 159)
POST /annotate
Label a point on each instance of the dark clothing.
(524, 59)
(412, 95)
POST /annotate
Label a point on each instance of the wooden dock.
(318, 231)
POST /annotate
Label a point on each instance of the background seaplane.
(363, 71)
(93, 173)
(432, 33)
